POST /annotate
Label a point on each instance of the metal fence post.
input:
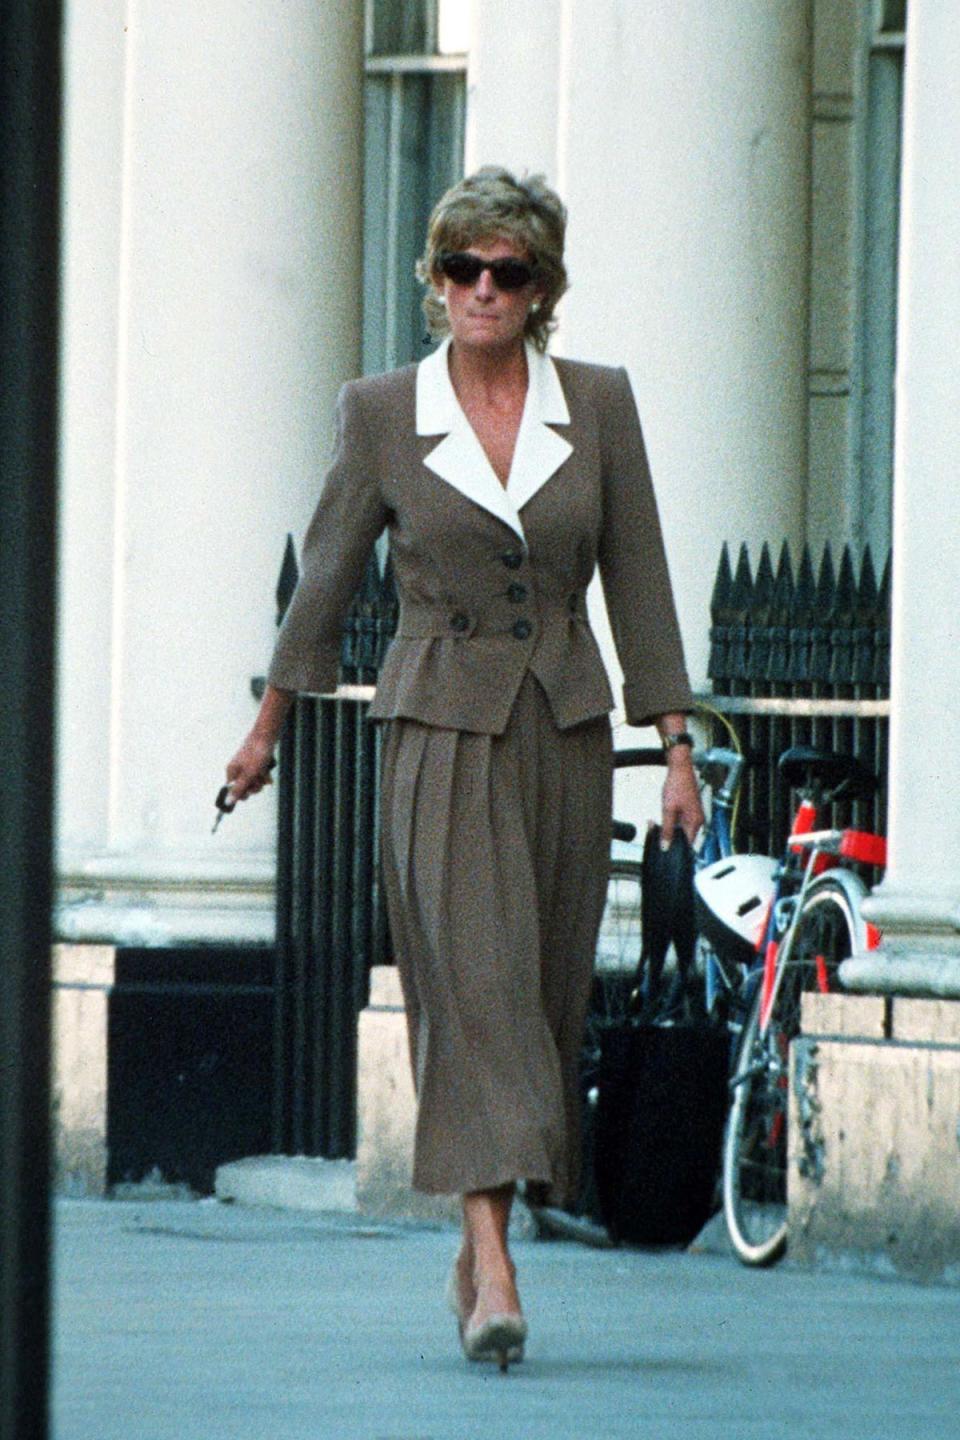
(30, 88)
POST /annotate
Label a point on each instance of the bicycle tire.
(829, 929)
(619, 942)
(614, 975)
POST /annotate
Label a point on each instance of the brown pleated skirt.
(496, 855)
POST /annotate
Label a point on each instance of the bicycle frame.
(717, 844)
(825, 850)
(717, 840)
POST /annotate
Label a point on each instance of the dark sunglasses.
(465, 269)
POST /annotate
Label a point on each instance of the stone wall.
(874, 1165)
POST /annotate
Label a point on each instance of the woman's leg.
(484, 1259)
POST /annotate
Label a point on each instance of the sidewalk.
(194, 1320)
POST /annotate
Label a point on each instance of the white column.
(212, 309)
(684, 164)
(682, 152)
(918, 904)
(512, 86)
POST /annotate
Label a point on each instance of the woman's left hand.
(681, 798)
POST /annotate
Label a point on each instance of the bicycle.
(813, 923)
(766, 931)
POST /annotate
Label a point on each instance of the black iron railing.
(801, 657)
(331, 920)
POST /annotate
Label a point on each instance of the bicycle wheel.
(828, 930)
(618, 945)
(614, 975)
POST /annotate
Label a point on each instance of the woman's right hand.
(249, 770)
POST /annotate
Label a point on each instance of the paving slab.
(195, 1320)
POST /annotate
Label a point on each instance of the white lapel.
(539, 451)
(460, 458)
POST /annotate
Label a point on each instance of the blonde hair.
(492, 204)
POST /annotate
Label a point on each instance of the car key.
(223, 802)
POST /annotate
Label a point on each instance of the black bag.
(661, 1106)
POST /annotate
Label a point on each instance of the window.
(415, 100)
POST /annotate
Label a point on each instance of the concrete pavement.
(194, 1320)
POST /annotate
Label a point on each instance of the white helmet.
(733, 897)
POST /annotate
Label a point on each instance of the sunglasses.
(465, 269)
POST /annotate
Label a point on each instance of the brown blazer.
(485, 596)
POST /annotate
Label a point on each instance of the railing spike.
(718, 664)
(287, 579)
(845, 594)
(369, 592)
(387, 610)
(723, 583)
(881, 654)
(758, 633)
(802, 610)
(741, 598)
(842, 615)
(820, 632)
(867, 594)
(389, 581)
(805, 590)
(826, 581)
(741, 592)
(781, 602)
(865, 621)
(764, 579)
(785, 564)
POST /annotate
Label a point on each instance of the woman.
(503, 478)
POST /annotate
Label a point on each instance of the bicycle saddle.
(802, 763)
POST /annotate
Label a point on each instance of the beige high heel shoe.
(482, 1345)
(499, 1337)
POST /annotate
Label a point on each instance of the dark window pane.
(400, 27)
(414, 151)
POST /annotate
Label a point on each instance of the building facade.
(762, 207)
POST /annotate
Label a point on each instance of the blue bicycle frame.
(717, 841)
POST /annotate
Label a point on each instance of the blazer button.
(516, 593)
(513, 559)
(522, 629)
(459, 621)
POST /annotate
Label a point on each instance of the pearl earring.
(534, 307)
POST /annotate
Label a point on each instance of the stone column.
(682, 151)
(212, 309)
(684, 161)
(918, 904)
(513, 73)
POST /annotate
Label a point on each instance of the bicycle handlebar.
(646, 755)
